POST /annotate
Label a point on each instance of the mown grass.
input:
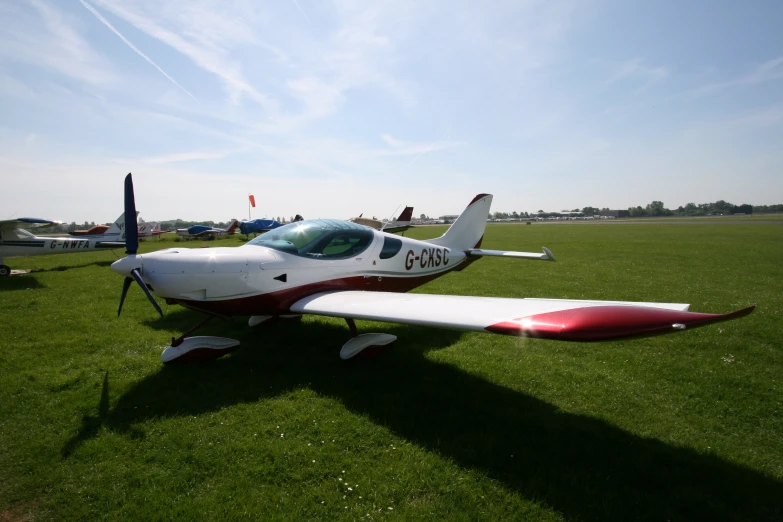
(444, 425)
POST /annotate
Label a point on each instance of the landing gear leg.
(366, 344)
(199, 348)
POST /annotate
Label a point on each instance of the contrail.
(447, 135)
(300, 9)
(115, 31)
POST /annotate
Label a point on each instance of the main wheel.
(4, 271)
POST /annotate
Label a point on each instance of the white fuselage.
(21, 243)
(257, 280)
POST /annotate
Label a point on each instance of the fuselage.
(258, 280)
(22, 243)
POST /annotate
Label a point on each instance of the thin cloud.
(184, 156)
(769, 70)
(636, 68)
(115, 31)
(403, 148)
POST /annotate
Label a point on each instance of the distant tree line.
(722, 208)
(655, 208)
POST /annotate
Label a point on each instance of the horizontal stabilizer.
(547, 255)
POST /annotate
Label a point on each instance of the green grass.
(445, 425)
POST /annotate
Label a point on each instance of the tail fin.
(232, 227)
(468, 230)
(406, 215)
(118, 227)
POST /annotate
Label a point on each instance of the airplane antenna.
(391, 218)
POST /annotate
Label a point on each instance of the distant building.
(448, 218)
(615, 213)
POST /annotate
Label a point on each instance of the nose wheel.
(5, 270)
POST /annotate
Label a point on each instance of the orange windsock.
(252, 200)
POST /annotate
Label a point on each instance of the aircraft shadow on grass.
(19, 282)
(582, 467)
(63, 268)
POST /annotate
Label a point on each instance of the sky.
(336, 108)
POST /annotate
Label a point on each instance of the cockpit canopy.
(318, 239)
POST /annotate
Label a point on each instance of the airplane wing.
(13, 224)
(559, 319)
(399, 228)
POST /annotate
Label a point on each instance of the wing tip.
(606, 323)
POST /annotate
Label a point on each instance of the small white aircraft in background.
(207, 232)
(400, 224)
(343, 269)
(149, 230)
(15, 241)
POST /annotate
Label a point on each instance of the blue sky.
(331, 109)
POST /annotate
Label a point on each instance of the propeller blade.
(137, 276)
(125, 285)
(131, 227)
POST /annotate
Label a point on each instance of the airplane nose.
(126, 264)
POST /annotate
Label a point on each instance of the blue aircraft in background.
(206, 232)
(259, 226)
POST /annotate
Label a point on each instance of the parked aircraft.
(17, 242)
(149, 230)
(206, 232)
(343, 269)
(259, 226)
(113, 232)
(400, 224)
(95, 230)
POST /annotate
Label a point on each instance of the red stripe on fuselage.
(274, 303)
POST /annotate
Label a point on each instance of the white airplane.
(342, 269)
(400, 224)
(207, 232)
(18, 242)
(149, 229)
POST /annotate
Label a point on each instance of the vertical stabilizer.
(406, 215)
(468, 230)
(118, 228)
(232, 227)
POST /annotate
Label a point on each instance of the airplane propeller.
(131, 247)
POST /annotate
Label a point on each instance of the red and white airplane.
(400, 224)
(342, 269)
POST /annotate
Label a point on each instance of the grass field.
(444, 425)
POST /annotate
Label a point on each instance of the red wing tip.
(742, 312)
(603, 323)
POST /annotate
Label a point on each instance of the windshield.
(318, 238)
